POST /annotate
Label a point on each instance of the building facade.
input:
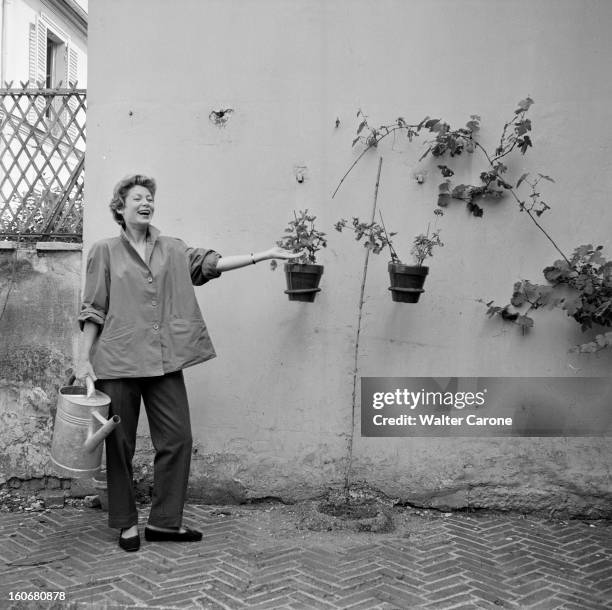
(44, 41)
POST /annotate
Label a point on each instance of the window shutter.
(71, 75)
(38, 66)
(32, 56)
(71, 66)
(41, 52)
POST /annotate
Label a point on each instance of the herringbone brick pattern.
(256, 557)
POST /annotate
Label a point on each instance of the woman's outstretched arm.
(227, 263)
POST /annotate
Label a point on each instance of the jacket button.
(156, 326)
(150, 280)
(154, 303)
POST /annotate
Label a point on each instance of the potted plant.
(406, 280)
(303, 274)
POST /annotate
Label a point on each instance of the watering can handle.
(91, 388)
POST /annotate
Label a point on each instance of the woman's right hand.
(85, 369)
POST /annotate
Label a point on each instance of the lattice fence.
(42, 155)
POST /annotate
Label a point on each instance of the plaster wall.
(272, 414)
(39, 295)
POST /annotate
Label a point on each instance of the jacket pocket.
(115, 354)
(117, 334)
(188, 338)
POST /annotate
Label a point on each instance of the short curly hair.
(121, 190)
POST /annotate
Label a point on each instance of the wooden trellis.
(42, 155)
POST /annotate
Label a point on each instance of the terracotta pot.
(302, 281)
(406, 282)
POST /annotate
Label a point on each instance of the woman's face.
(139, 207)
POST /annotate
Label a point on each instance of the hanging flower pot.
(407, 282)
(302, 281)
(303, 274)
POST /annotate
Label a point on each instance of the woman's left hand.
(281, 253)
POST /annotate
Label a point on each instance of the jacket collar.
(152, 235)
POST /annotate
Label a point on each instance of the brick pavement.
(257, 557)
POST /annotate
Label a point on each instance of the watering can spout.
(108, 425)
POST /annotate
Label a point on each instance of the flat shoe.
(188, 535)
(129, 544)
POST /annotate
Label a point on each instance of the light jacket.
(150, 321)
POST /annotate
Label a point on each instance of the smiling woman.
(141, 327)
(133, 203)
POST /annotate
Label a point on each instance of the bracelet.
(252, 258)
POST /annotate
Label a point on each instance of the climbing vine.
(580, 284)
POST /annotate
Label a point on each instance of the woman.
(141, 326)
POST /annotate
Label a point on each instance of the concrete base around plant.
(357, 517)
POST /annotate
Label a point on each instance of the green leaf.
(583, 251)
(524, 143)
(553, 274)
(464, 192)
(487, 177)
(543, 295)
(508, 315)
(492, 311)
(572, 304)
(518, 299)
(597, 258)
(546, 177)
(446, 171)
(444, 199)
(524, 105)
(420, 125)
(523, 127)
(475, 210)
(601, 342)
(439, 149)
(361, 126)
(525, 321)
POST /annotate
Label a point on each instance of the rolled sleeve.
(94, 306)
(202, 265)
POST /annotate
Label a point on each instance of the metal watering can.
(81, 425)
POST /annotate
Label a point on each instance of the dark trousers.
(165, 401)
